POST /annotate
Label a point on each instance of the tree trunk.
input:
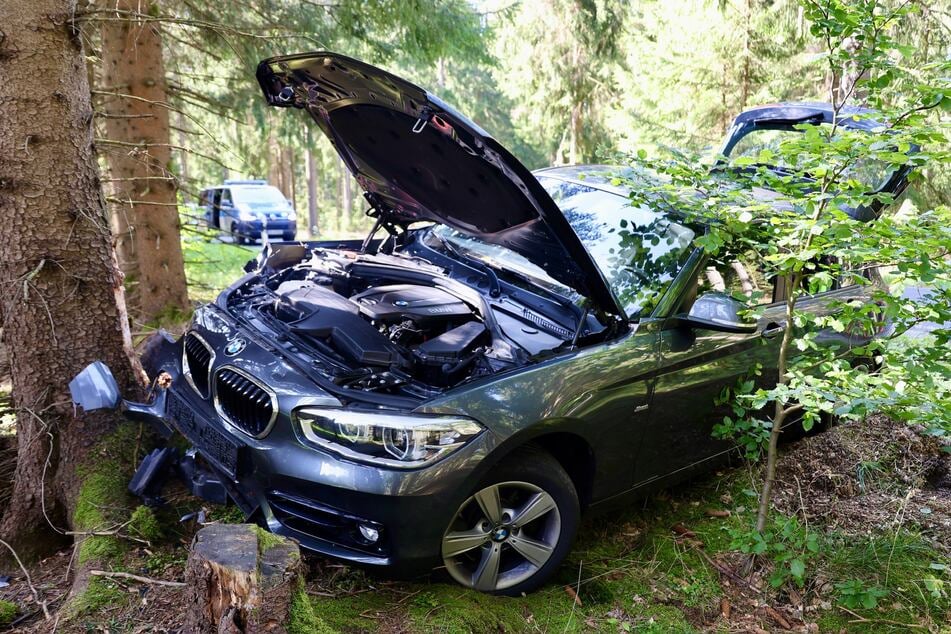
(138, 150)
(746, 73)
(182, 158)
(312, 227)
(274, 174)
(346, 198)
(63, 304)
(288, 169)
(239, 581)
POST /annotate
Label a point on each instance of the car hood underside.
(419, 160)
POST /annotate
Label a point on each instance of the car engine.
(391, 324)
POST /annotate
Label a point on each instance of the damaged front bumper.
(355, 512)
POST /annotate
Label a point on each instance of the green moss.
(98, 594)
(8, 612)
(268, 540)
(144, 524)
(303, 617)
(230, 514)
(101, 493)
(103, 500)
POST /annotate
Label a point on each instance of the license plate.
(219, 449)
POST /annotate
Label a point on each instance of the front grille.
(197, 363)
(244, 403)
(325, 522)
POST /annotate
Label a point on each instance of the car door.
(696, 364)
(226, 210)
(215, 196)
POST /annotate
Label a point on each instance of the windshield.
(870, 172)
(265, 195)
(638, 251)
(501, 258)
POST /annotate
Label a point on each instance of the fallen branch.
(861, 619)
(129, 575)
(29, 581)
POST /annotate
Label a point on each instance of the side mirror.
(719, 311)
(95, 388)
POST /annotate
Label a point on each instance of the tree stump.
(240, 580)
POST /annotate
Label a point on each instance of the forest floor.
(877, 495)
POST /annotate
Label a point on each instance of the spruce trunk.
(138, 149)
(63, 305)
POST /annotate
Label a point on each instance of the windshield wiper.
(495, 288)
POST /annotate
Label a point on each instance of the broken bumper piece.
(96, 389)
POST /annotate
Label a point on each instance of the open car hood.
(786, 116)
(418, 159)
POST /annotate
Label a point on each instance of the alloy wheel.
(501, 536)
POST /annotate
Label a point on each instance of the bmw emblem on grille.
(235, 346)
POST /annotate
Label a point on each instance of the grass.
(632, 572)
(628, 570)
(212, 265)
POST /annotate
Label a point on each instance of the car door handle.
(771, 330)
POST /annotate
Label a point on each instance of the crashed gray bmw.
(505, 350)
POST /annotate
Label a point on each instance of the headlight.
(245, 213)
(394, 440)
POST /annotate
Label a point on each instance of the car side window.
(739, 277)
(225, 197)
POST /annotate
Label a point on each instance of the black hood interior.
(418, 159)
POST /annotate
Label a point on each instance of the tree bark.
(288, 169)
(137, 118)
(346, 198)
(312, 227)
(63, 303)
(183, 177)
(240, 583)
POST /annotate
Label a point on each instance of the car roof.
(595, 176)
(241, 185)
(850, 116)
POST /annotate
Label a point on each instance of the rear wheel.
(512, 533)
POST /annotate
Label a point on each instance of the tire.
(237, 237)
(505, 555)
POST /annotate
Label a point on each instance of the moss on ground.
(98, 594)
(303, 616)
(144, 524)
(8, 612)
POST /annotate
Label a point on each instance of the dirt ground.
(873, 478)
(878, 475)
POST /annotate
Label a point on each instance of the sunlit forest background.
(555, 82)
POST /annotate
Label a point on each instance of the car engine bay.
(394, 324)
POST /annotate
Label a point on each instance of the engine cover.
(317, 311)
(422, 304)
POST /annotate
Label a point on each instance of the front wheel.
(514, 531)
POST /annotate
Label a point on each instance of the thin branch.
(129, 575)
(26, 573)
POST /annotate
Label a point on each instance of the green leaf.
(798, 568)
